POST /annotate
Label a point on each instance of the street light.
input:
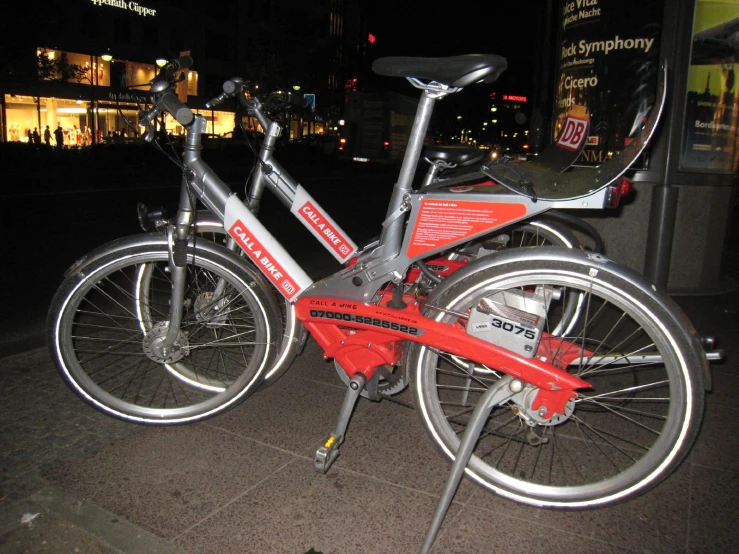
(161, 62)
(107, 56)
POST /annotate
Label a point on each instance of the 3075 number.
(511, 328)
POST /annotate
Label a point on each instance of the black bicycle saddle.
(454, 71)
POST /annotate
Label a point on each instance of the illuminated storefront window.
(138, 74)
(98, 111)
(78, 67)
(117, 122)
(78, 70)
(26, 113)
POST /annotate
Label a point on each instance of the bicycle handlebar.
(164, 78)
(232, 87)
(177, 108)
(178, 64)
(166, 100)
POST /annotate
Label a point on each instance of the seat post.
(392, 233)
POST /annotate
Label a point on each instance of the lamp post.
(106, 57)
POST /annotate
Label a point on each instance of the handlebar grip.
(177, 108)
(183, 62)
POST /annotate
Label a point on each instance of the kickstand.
(504, 389)
(329, 450)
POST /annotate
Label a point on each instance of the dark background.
(59, 205)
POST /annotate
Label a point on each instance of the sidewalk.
(244, 481)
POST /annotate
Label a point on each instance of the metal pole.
(660, 234)
(38, 112)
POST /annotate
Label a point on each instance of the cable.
(433, 277)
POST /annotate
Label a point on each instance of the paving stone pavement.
(243, 482)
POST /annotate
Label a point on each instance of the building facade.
(81, 66)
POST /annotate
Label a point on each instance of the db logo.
(344, 249)
(574, 134)
(289, 289)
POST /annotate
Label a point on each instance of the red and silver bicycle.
(601, 377)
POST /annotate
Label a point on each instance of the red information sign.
(443, 222)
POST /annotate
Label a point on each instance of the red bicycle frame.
(362, 337)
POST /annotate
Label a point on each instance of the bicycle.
(600, 377)
(554, 229)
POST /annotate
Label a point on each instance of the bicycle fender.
(502, 261)
(145, 239)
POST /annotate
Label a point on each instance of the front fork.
(177, 239)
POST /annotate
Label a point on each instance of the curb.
(60, 516)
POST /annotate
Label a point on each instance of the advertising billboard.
(607, 63)
(711, 109)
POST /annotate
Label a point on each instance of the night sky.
(508, 29)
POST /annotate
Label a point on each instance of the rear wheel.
(109, 318)
(616, 440)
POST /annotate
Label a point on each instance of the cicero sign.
(128, 6)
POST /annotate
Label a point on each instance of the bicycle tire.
(622, 437)
(541, 232)
(99, 342)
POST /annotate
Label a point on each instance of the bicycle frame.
(529, 328)
(342, 311)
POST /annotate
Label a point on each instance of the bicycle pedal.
(327, 453)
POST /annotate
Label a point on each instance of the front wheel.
(110, 316)
(614, 441)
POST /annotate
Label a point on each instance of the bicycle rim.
(103, 346)
(621, 437)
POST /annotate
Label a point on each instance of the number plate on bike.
(498, 320)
